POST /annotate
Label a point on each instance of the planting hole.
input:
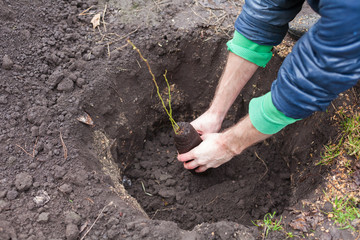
(268, 177)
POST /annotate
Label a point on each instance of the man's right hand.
(208, 122)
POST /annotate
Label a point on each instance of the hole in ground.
(267, 177)
(246, 188)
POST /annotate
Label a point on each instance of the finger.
(201, 169)
(191, 164)
(186, 156)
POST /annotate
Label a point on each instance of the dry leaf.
(96, 20)
(86, 119)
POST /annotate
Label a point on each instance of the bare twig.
(143, 187)
(108, 49)
(161, 210)
(64, 147)
(138, 63)
(103, 18)
(212, 201)
(157, 5)
(24, 150)
(207, 21)
(264, 165)
(92, 225)
(85, 11)
(122, 47)
(122, 37)
(33, 152)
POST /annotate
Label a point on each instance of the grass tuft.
(349, 142)
(344, 212)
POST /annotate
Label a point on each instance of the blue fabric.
(323, 63)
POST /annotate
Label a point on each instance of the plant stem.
(168, 111)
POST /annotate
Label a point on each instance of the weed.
(344, 211)
(269, 223)
(290, 235)
(331, 152)
(351, 127)
(349, 142)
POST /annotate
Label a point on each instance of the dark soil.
(63, 179)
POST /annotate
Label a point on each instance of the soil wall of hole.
(268, 177)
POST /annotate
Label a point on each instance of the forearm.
(237, 73)
(241, 136)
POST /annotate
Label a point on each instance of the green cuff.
(249, 50)
(265, 117)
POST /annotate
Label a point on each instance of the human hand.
(211, 153)
(218, 148)
(208, 122)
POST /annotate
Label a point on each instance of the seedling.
(168, 111)
(186, 137)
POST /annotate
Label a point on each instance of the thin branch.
(264, 165)
(85, 11)
(33, 152)
(64, 147)
(173, 122)
(103, 18)
(92, 225)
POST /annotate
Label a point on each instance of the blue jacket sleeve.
(323, 63)
(265, 22)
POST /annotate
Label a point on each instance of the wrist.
(242, 136)
(216, 113)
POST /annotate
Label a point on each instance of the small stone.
(65, 85)
(11, 160)
(164, 177)
(3, 193)
(55, 78)
(72, 218)
(12, 194)
(144, 232)
(65, 188)
(42, 198)
(4, 205)
(34, 131)
(328, 207)
(3, 99)
(59, 172)
(325, 236)
(33, 166)
(167, 193)
(112, 221)
(43, 217)
(241, 204)
(72, 77)
(72, 232)
(7, 63)
(130, 226)
(23, 181)
(98, 51)
(80, 82)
